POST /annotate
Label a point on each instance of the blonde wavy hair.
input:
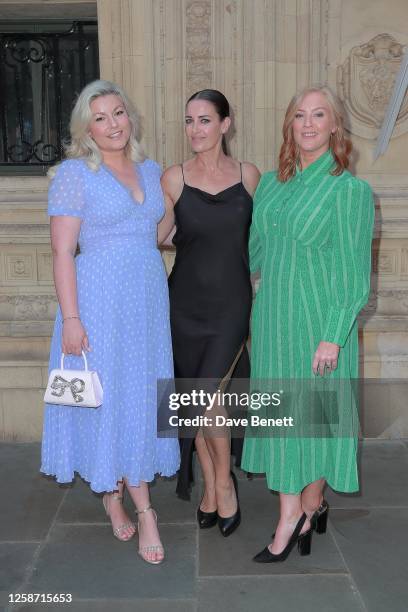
(81, 144)
(340, 145)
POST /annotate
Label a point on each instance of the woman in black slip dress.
(209, 200)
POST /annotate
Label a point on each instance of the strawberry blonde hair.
(340, 145)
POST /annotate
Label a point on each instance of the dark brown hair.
(220, 103)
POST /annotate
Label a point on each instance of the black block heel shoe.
(304, 545)
(229, 524)
(319, 519)
(206, 519)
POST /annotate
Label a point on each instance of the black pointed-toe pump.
(206, 519)
(228, 524)
(304, 542)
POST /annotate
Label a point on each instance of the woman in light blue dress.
(113, 303)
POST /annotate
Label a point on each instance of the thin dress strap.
(182, 172)
(240, 167)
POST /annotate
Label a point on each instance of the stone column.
(257, 52)
(141, 46)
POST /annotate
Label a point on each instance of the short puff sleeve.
(66, 191)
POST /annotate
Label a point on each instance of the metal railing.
(41, 73)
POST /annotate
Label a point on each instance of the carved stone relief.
(20, 267)
(365, 82)
(27, 267)
(27, 307)
(385, 261)
(198, 45)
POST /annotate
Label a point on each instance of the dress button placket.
(283, 202)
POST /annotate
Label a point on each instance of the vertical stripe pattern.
(311, 241)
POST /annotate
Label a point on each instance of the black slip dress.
(210, 296)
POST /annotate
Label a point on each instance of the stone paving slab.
(219, 556)
(30, 500)
(15, 560)
(60, 539)
(89, 563)
(279, 593)
(383, 477)
(81, 505)
(232, 556)
(374, 544)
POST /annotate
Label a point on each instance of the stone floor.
(57, 540)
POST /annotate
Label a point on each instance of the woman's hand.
(74, 338)
(325, 357)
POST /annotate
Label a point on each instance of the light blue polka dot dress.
(123, 304)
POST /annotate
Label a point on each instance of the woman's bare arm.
(250, 177)
(64, 238)
(172, 185)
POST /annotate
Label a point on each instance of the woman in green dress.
(311, 243)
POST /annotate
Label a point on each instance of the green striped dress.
(311, 241)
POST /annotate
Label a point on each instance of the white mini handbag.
(74, 387)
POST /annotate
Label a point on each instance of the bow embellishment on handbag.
(76, 386)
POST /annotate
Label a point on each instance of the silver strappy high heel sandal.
(118, 531)
(145, 550)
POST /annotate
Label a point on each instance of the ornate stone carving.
(365, 82)
(198, 45)
(27, 307)
(385, 261)
(19, 267)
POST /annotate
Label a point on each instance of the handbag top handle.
(84, 358)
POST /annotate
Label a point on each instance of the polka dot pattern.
(123, 304)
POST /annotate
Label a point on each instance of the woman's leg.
(220, 452)
(214, 455)
(209, 501)
(312, 497)
(290, 513)
(148, 531)
(121, 524)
